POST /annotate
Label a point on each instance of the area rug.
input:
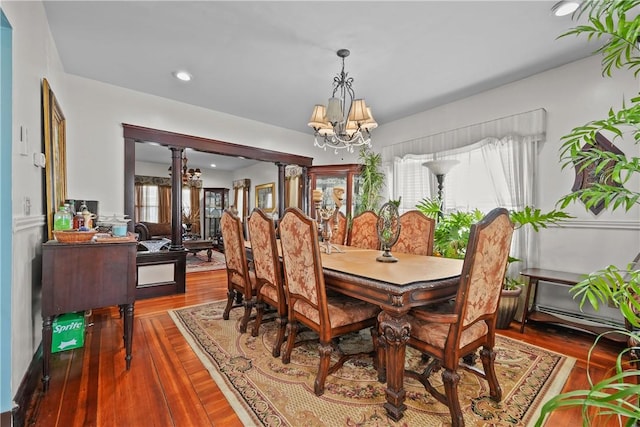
(265, 392)
(200, 262)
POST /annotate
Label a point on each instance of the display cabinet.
(215, 201)
(328, 177)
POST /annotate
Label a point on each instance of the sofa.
(152, 230)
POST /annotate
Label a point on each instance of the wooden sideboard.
(85, 276)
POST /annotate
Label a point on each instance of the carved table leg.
(47, 331)
(128, 333)
(395, 331)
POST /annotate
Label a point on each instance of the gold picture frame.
(54, 131)
(266, 197)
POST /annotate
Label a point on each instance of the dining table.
(396, 287)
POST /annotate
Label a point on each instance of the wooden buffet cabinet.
(84, 276)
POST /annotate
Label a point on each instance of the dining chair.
(447, 335)
(269, 280)
(339, 235)
(363, 233)
(241, 283)
(308, 302)
(416, 234)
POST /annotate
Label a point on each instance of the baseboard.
(26, 391)
(5, 419)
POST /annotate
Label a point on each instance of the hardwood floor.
(168, 386)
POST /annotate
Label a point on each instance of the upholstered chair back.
(363, 233)
(262, 234)
(304, 280)
(416, 234)
(484, 266)
(339, 235)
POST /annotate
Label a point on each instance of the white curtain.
(494, 170)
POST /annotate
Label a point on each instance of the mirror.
(266, 196)
(55, 153)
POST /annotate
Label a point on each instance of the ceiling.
(272, 61)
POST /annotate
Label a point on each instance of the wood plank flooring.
(168, 386)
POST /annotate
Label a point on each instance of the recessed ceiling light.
(565, 7)
(182, 75)
(213, 165)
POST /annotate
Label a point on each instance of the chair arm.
(422, 313)
(143, 231)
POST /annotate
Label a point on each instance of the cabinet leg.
(47, 332)
(128, 333)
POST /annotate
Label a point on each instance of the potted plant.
(616, 395)
(452, 235)
(372, 180)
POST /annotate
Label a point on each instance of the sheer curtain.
(498, 166)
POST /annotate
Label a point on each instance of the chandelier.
(190, 176)
(345, 122)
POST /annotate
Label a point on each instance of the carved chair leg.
(450, 380)
(488, 357)
(282, 325)
(292, 330)
(325, 350)
(230, 295)
(259, 312)
(248, 306)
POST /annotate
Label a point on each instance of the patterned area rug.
(199, 261)
(264, 391)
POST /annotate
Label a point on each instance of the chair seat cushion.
(269, 291)
(343, 310)
(238, 280)
(435, 334)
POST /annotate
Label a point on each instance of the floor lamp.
(440, 168)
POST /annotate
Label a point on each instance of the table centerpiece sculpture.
(388, 228)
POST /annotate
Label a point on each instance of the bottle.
(62, 218)
(87, 215)
(78, 221)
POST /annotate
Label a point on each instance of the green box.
(68, 332)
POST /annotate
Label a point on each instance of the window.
(147, 203)
(491, 173)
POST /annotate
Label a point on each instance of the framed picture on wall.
(266, 197)
(54, 132)
(593, 174)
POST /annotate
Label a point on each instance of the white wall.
(95, 146)
(572, 95)
(34, 57)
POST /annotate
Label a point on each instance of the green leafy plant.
(452, 229)
(372, 179)
(616, 395)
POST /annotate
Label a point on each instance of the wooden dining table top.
(409, 269)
